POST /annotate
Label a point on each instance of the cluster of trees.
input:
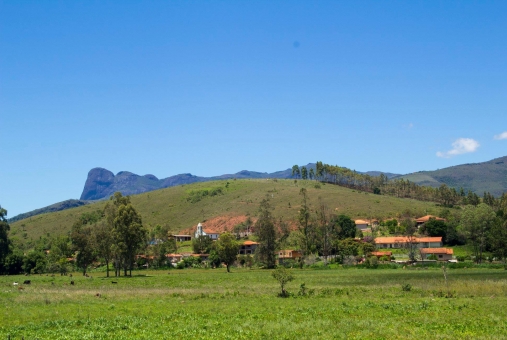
(114, 235)
(224, 250)
(317, 232)
(444, 195)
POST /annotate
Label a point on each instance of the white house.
(200, 231)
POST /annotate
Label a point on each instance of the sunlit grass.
(211, 304)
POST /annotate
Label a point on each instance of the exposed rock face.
(102, 183)
(98, 182)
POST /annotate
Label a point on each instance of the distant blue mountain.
(102, 183)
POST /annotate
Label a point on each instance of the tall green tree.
(4, 240)
(305, 225)
(57, 258)
(435, 227)
(344, 226)
(295, 171)
(266, 235)
(304, 172)
(103, 242)
(227, 249)
(476, 223)
(498, 241)
(311, 174)
(202, 244)
(128, 234)
(83, 244)
(411, 244)
(326, 232)
(319, 170)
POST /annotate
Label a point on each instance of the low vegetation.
(212, 304)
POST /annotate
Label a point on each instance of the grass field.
(240, 198)
(211, 304)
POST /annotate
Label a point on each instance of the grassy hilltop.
(182, 207)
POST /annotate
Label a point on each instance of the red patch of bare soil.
(219, 224)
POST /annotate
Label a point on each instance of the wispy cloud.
(503, 135)
(460, 146)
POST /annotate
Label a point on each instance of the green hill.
(182, 207)
(488, 176)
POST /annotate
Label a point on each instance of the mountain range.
(102, 183)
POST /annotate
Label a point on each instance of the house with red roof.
(248, 247)
(442, 254)
(288, 254)
(421, 220)
(401, 242)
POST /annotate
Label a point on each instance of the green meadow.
(338, 303)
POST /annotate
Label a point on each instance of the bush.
(283, 276)
(407, 287)
(372, 262)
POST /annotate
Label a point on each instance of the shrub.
(372, 262)
(283, 276)
(407, 287)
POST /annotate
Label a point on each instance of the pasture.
(211, 304)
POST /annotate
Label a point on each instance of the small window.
(440, 256)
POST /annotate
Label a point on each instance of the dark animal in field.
(52, 283)
(27, 282)
(114, 282)
(72, 282)
(97, 295)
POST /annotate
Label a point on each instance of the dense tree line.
(398, 187)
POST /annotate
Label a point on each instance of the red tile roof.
(249, 243)
(427, 218)
(173, 255)
(405, 239)
(447, 251)
(381, 253)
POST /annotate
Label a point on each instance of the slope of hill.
(488, 176)
(173, 206)
(50, 208)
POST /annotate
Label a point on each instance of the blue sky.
(169, 87)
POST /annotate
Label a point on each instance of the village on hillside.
(407, 249)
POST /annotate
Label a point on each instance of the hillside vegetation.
(182, 207)
(488, 176)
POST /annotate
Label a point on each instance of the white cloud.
(503, 135)
(460, 146)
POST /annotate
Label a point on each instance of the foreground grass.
(211, 304)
